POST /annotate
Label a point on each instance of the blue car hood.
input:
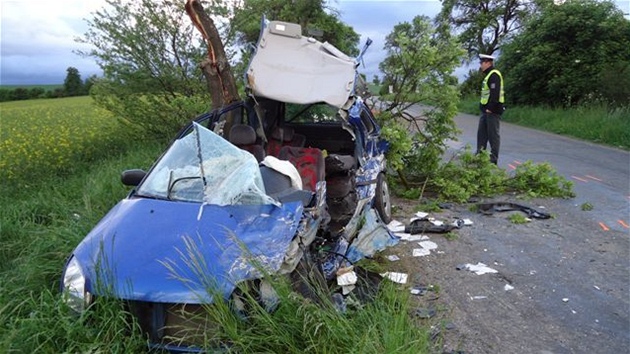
(180, 252)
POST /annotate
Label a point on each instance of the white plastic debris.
(396, 226)
(566, 299)
(410, 237)
(415, 291)
(421, 214)
(346, 289)
(428, 245)
(508, 287)
(400, 278)
(421, 252)
(467, 222)
(436, 222)
(346, 276)
(478, 297)
(479, 268)
(393, 258)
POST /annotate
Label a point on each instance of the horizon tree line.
(73, 85)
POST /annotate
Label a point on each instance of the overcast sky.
(37, 37)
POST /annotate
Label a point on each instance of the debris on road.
(400, 278)
(478, 268)
(491, 208)
(428, 245)
(393, 258)
(508, 287)
(421, 252)
(425, 313)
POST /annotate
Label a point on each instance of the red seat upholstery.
(244, 136)
(309, 163)
(283, 136)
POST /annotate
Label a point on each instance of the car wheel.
(382, 202)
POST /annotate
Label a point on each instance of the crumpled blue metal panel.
(373, 236)
(165, 251)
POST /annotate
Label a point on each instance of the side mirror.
(132, 177)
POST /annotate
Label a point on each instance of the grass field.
(53, 136)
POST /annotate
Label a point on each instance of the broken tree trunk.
(216, 67)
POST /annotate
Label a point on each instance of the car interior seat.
(278, 186)
(283, 136)
(309, 163)
(244, 137)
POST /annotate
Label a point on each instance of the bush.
(156, 116)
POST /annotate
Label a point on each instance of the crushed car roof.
(289, 67)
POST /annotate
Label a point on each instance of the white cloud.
(38, 40)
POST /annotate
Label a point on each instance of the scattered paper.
(478, 297)
(396, 226)
(346, 276)
(400, 278)
(566, 299)
(478, 268)
(421, 214)
(346, 289)
(393, 258)
(428, 245)
(508, 287)
(467, 222)
(421, 252)
(411, 238)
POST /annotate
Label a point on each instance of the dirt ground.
(561, 284)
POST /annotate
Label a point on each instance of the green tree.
(569, 53)
(149, 53)
(88, 83)
(313, 15)
(419, 65)
(72, 85)
(484, 25)
(36, 92)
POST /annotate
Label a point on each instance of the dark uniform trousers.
(488, 132)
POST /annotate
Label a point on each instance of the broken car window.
(203, 167)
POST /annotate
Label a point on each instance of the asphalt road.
(570, 274)
(601, 174)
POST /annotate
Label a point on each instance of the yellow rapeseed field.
(46, 136)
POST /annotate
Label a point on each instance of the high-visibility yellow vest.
(485, 90)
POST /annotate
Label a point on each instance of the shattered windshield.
(203, 167)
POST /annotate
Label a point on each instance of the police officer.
(491, 105)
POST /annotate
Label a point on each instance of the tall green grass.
(596, 122)
(39, 227)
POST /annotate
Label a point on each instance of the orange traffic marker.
(603, 226)
(595, 178)
(512, 166)
(623, 224)
(579, 179)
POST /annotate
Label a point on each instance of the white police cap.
(486, 57)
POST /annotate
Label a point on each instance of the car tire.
(382, 201)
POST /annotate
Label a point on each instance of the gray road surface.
(571, 274)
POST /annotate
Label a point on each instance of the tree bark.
(216, 67)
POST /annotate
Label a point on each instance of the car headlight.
(74, 291)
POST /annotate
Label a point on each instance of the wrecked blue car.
(292, 178)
